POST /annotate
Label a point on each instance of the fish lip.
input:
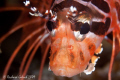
(62, 72)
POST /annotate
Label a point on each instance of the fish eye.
(80, 31)
(50, 25)
(85, 28)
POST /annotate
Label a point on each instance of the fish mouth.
(62, 72)
(66, 71)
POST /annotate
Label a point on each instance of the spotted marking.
(81, 56)
(71, 57)
(91, 48)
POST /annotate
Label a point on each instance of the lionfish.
(72, 29)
